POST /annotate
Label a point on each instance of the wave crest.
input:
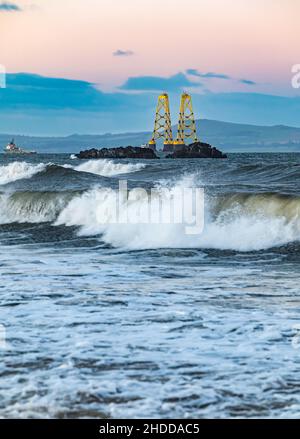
(108, 168)
(235, 222)
(32, 207)
(240, 222)
(19, 170)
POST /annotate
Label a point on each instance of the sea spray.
(240, 222)
(108, 168)
(160, 206)
(228, 225)
(19, 170)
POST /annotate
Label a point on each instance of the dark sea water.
(134, 320)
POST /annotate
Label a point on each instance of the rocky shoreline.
(195, 150)
(128, 152)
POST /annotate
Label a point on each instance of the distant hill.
(230, 137)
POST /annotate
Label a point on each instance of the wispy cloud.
(158, 83)
(9, 7)
(213, 75)
(195, 72)
(247, 82)
(120, 52)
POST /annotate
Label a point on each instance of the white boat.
(12, 148)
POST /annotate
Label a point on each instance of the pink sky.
(253, 39)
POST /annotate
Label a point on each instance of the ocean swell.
(233, 222)
(32, 207)
(241, 222)
(106, 168)
(19, 170)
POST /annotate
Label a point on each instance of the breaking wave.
(237, 222)
(19, 170)
(241, 222)
(108, 168)
(32, 207)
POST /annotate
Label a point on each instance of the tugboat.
(12, 148)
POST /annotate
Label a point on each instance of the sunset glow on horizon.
(106, 42)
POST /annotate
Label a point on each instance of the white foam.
(19, 170)
(94, 211)
(241, 222)
(233, 228)
(249, 233)
(108, 168)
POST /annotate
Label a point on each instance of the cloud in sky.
(9, 7)
(158, 83)
(120, 52)
(247, 82)
(25, 90)
(35, 104)
(230, 47)
(213, 75)
(195, 72)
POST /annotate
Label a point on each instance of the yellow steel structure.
(186, 123)
(162, 125)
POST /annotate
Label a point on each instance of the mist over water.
(82, 300)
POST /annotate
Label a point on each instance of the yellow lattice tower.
(162, 125)
(186, 123)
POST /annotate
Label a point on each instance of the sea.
(115, 319)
